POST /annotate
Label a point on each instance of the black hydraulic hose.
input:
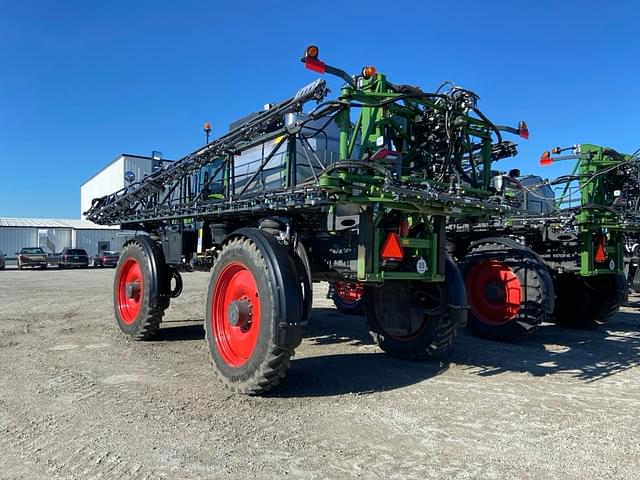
(489, 122)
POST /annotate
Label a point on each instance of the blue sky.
(81, 82)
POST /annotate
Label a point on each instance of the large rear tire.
(416, 320)
(510, 290)
(140, 292)
(246, 304)
(588, 302)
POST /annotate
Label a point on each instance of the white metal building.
(112, 177)
(55, 234)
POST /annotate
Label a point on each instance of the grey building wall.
(53, 240)
(90, 240)
(12, 239)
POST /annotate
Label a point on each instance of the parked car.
(32, 257)
(53, 259)
(106, 259)
(2, 260)
(73, 257)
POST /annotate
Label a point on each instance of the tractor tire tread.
(149, 326)
(274, 366)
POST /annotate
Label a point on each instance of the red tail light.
(391, 250)
(545, 159)
(314, 65)
(523, 130)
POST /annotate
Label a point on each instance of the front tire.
(243, 315)
(140, 292)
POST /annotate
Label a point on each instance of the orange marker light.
(368, 72)
(207, 127)
(311, 52)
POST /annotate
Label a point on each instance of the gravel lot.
(79, 400)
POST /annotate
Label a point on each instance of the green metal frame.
(595, 173)
(360, 139)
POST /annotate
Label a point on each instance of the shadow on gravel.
(328, 326)
(333, 374)
(353, 373)
(172, 333)
(587, 355)
(349, 373)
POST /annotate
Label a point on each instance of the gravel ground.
(79, 400)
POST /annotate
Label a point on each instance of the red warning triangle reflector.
(391, 249)
(600, 255)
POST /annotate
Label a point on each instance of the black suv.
(73, 257)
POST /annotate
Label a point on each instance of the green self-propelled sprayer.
(560, 257)
(353, 189)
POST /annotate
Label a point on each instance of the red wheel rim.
(494, 292)
(235, 314)
(130, 289)
(349, 293)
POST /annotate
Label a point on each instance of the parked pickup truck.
(32, 257)
(73, 257)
